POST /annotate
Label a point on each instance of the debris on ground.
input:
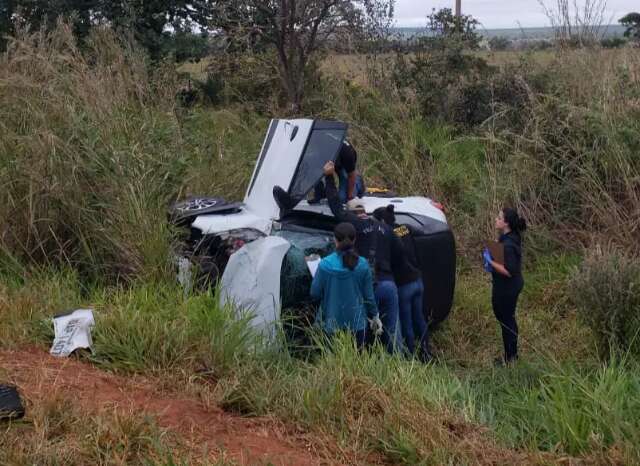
(10, 403)
(72, 332)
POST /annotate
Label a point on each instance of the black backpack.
(10, 403)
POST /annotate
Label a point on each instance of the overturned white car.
(257, 253)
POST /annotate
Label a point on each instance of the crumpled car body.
(256, 252)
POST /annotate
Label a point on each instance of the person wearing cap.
(408, 278)
(373, 242)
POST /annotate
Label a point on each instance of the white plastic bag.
(72, 331)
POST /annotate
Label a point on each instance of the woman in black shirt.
(406, 273)
(507, 279)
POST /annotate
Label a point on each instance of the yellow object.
(377, 190)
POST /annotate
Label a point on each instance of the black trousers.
(504, 301)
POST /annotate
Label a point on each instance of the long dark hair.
(515, 222)
(345, 234)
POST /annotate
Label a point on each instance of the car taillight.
(437, 205)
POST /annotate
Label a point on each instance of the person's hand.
(375, 324)
(486, 257)
(329, 169)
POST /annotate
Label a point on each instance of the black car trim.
(328, 124)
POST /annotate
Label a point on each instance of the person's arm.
(499, 268)
(351, 184)
(317, 284)
(510, 262)
(368, 295)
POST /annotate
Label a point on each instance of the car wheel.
(185, 211)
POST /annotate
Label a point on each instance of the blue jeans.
(412, 320)
(343, 179)
(386, 293)
(358, 191)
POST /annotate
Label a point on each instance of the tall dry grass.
(89, 154)
(561, 144)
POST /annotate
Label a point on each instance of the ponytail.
(515, 222)
(345, 234)
(385, 214)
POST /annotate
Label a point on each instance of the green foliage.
(613, 42)
(155, 329)
(499, 43)
(248, 79)
(606, 290)
(447, 29)
(450, 83)
(632, 23)
(146, 21)
(149, 327)
(578, 410)
(187, 46)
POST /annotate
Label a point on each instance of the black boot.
(283, 199)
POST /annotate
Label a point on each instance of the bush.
(499, 43)
(613, 42)
(606, 291)
(250, 78)
(446, 81)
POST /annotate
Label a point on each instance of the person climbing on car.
(408, 279)
(351, 183)
(373, 242)
(344, 284)
(507, 279)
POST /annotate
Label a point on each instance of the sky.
(498, 14)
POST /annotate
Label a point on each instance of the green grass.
(558, 399)
(93, 148)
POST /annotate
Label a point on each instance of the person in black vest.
(408, 278)
(507, 279)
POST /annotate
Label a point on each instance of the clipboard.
(496, 249)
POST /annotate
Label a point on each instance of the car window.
(406, 219)
(322, 147)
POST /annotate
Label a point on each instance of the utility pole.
(458, 16)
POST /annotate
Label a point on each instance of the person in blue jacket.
(344, 286)
(507, 280)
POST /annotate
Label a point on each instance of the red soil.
(246, 441)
